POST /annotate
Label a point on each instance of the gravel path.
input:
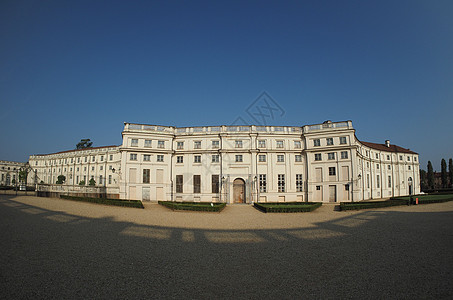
(52, 248)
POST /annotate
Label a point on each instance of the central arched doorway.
(239, 190)
(410, 185)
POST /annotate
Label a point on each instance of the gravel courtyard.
(60, 249)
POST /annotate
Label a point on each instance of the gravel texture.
(61, 249)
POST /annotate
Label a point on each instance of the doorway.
(238, 191)
(332, 193)
(410, 185)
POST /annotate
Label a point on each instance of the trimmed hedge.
(116, 202)
(287, 207)
(194, 206)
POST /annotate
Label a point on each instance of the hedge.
(116, 202)
(287, 207)
(194, 206)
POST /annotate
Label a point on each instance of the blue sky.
(79, 69)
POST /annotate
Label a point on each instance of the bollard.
(416, 201)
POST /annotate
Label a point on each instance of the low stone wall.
(55, 190)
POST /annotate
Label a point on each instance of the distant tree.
(84, 143)
(82, 182)
(450, 171)
(443, 173)
(430, 175)
(61, 179)
(92, 182)
(423, 180)
(23, 174)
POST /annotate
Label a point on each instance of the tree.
(82, 182)
(61, 179)
(443, 173)
(84, 143)
(423, 180)
(92, 182)
(430, 175)
(450, 171)
(23, 174)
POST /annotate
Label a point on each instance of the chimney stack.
(387, 143)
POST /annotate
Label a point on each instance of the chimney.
(387, 143)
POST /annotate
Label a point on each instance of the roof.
(75, 150)
(391, 148)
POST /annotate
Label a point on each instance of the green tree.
(92, 182)
(423, 180)
(450, 171)
(84, 143)
(430, 175)
(61, 179)
(443, 173)
(23, 174)
(82, 182)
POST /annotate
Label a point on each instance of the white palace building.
(235, 164)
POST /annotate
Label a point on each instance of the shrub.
(287, 207)
(116, 202)
(194, 206)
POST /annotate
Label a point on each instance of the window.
(331, 156)
(378, 182)
(86, 158)
(390, 181)
(72, 160)
(239, 158)
(161, 144)
(298, 158)
(197, 159)
(401, 157)
(261, 143)
(215, 144)
(93, 158)
(332, 171)
(262, 158)
(329, 141)
(215, 183)
(409, 168)
(415, 159)
(134, 142)
(408, 158)
(179, 183)
(197, 144)
(297, 145)
(344, 154)
(160, 158)
(367, 153)
(110, 179)
(342, 140)
(318, 187)
(77, 169)
(100, 168)
(133, 156)
(111, 157)
(238, 143)
(146, 157)
(279, 144)
(262, 183)
(377, 166)
(281, 183)
(388, 157)
(280, 158)
(110, 167)
(179, 159)
(299, 183)
(368, 180)
(148, 143)
(215, 158)
(346, 187)
(146, 175)
(377, 156)
(180, 146)
(317, 156)
(78, 159)
(317, 142)
(196, 184)
(389, 167)
(102, 158)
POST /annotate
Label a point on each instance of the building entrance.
(238, 191)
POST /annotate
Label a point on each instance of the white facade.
(9, 172)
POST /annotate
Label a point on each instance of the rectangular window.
(279, 144)
(86, 158)
(388, 157)
(262, 158)
(72, 160)
(160, 158)
(298, 158)
(179, 183)
(409, 168)
(415, 159)
(401, 157)
(342, 140)
(197, 159)
(146, 175)
(93, 158)
(280, 158)
(197, 144)
(215, 158)
(408, 158)
(133, 156)
(390, 181)
(196, 184)
(331, 156)
(146, 157)
(261, 143)
(389, 167)
(318, 187)
(344, 154)
(263, 184)
(299, 183)
(238, 143)
(329, 141)
(110, 167)
(179, 159)
(215, 144)
(377, 166)
(161, 144)
(102, 158)
(297, 145)
(281, 183)
(378, 182)
(100, 168)
(180, 145)
(134, 142)
(92, 168)
(316, 142)
(111, 157)
(332, 171)
(377, 156)
(215, 183)
(318, 156)
(148, 143)
(346, 187)
(368, 180)
(239, 158)
(110, 179)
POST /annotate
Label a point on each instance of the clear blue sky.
(79, 69)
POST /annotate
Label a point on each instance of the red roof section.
(391, 148)
(75, 150)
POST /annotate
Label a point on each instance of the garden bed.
(194, 206)
(115, 202)
(287, 207)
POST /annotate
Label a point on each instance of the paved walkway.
(52, 248)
